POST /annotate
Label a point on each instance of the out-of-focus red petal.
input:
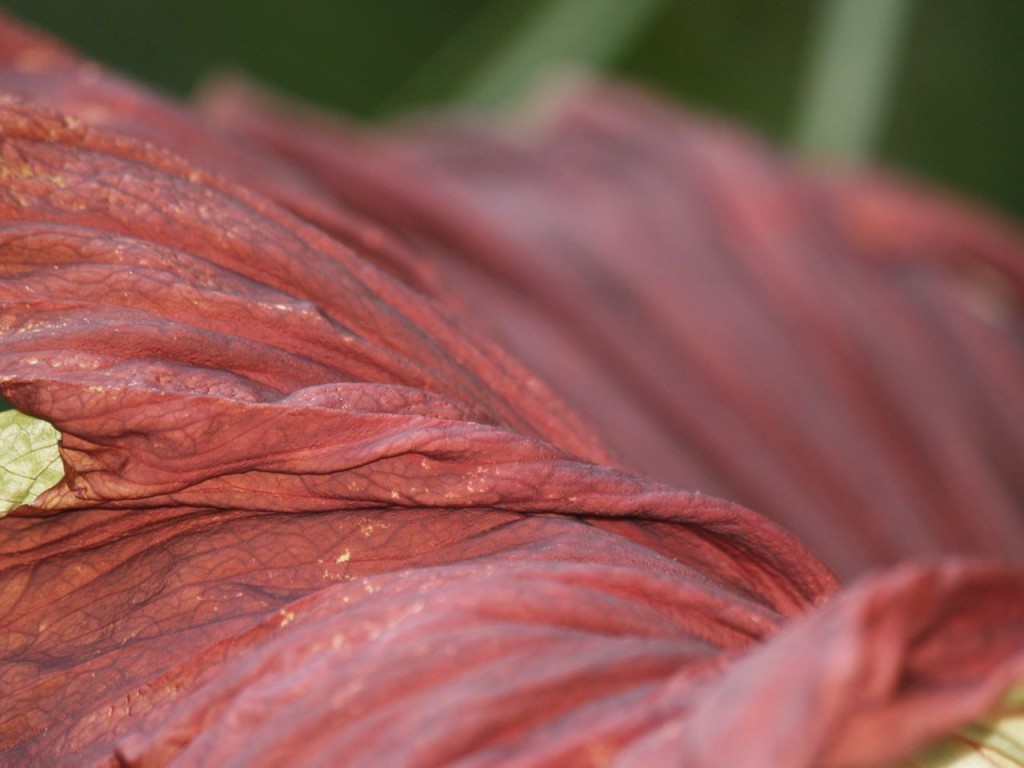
(730, 324)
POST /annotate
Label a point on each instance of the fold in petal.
(892, 663)
(838, 355)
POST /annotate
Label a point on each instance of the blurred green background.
(947, 99)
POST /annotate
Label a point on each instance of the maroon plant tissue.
(374, 440)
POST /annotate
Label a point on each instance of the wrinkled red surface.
(313, 515)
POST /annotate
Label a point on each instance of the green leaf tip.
(996, 740)
(29, 459)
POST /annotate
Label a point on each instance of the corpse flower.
(372, 446)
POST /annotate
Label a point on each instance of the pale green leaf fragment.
(30, 462)
(996, 741)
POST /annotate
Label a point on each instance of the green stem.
(853, 64)
(507, 52)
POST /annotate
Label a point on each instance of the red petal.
(728, 323)
(309, 515)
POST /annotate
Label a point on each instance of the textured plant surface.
(372, 442)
